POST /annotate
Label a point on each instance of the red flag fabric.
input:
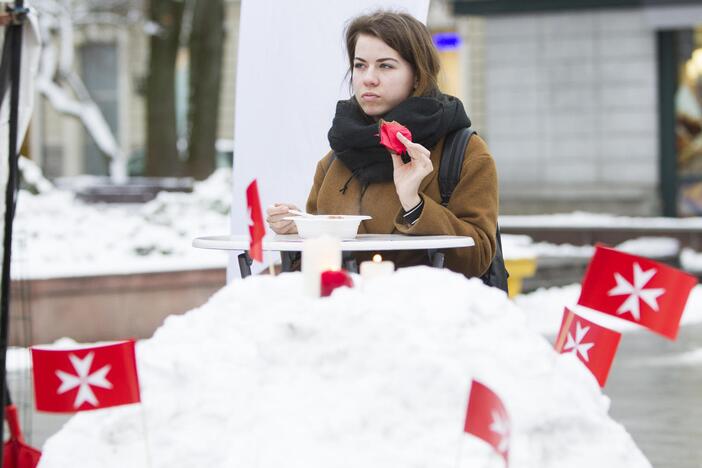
(388, 136)
(256, 228)
(16, 453)
(593, 344)
(70, 380)
(487, 418)
(636, 289)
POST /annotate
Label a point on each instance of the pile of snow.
(596, 220)
(651, 247)
(517, 247)
(375, 376)
(691, 260)
(544, 310)
(57, 235)
(17, 359)
(547, 249)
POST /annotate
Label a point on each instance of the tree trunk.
(206, 52)
(161, 135)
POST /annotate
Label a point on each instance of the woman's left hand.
(408, 176)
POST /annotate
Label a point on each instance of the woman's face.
(381, 79)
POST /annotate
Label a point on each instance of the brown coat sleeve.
(320, 172)
(471, 211)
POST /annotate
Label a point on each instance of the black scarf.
(355, 139)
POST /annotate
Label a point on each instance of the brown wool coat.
(472, 209)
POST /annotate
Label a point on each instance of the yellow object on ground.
(518, 269)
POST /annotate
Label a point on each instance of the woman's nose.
(370, 77)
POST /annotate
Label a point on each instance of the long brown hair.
(409, 37)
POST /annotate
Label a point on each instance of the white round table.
(362, 243)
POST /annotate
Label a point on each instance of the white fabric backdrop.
(291, 71)
(31, 48)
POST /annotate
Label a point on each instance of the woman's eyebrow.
(379, 60)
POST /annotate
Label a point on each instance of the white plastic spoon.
(301, 213)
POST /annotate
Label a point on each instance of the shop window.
(688, 122)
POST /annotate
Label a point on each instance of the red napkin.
(388, 136)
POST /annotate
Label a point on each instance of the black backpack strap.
(497, 274)
(451, 164)
(452, 156)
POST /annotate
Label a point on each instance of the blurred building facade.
(112, 61)
(587, 104)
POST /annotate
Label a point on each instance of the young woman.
(394, 68)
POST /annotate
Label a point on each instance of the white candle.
(376, 268)
(318, 255)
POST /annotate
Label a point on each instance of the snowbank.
(691, 260)
(375, 376)
(57, 235)
(597, 220)
(544, 310)
(519, 246)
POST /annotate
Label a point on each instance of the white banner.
(291, 71)
(31, 49)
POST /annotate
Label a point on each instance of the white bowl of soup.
(340, 226)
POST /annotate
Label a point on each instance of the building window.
(99, 72)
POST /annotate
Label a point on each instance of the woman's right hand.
(275, 215)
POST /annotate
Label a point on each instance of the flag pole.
(13, 35)
(459, 450)
(564, 331)
(462, 433)
(149, 462)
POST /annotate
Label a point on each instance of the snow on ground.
(544, 310)
(519, 246)
(598, 220)
(262, 376)
(547, 249)
(17, 359)
(691, 260)
(57, 235)
(652, 247)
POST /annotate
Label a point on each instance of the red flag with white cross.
(593, 344)
(256, 227)
(636, 289)
(86, 378)
(487, 419)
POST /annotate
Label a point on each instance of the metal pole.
(14, 35)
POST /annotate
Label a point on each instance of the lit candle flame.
(377, 258)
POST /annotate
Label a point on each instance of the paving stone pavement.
(656, 391)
